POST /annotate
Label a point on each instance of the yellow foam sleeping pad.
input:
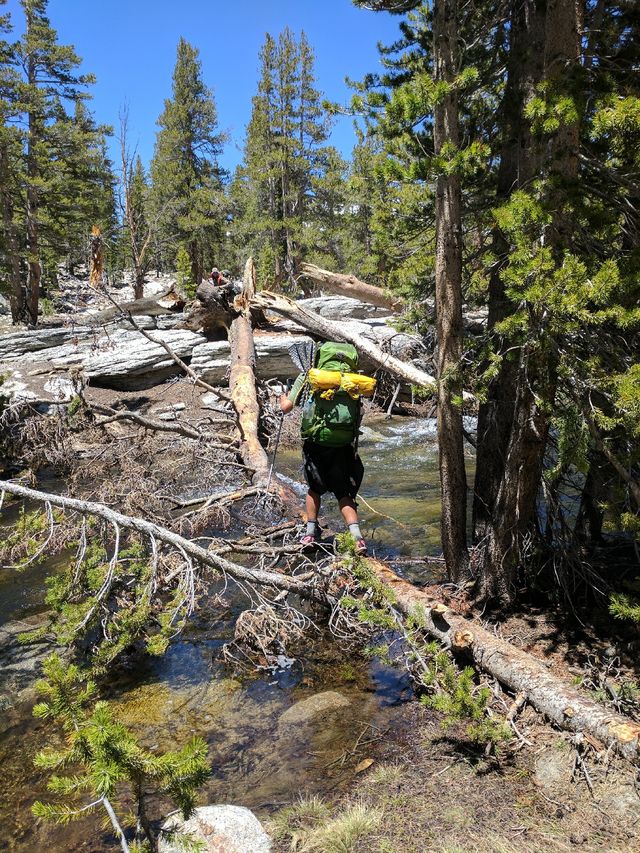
(330, 381)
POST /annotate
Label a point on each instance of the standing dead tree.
(140, 230)
(97, 257)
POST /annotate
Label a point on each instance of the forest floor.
(429, 789)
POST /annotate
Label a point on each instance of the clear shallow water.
(400, 493)
(166, 700)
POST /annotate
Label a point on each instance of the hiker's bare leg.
(348, 509)
(312, 505)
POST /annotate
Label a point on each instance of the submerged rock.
(308, 709)
(224, 829)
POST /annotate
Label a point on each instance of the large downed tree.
(335, 331)
(242, 381)
(524, 674)
(349, 285)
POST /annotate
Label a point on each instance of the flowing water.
(256, 760)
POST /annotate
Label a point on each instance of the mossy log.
(519, 671)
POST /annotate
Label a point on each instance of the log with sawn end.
(521, 672)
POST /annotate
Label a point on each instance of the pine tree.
(285, 159)
(57, 181)
(187, 195)
(548, 114)
(50, 79)
(10, 168)
(99, 757)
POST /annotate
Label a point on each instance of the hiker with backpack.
(330, 392)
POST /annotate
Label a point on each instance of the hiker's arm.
(288, 401)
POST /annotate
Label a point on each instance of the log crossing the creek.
(335, 331)
(521, 672)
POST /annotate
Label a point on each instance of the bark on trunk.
(517, 670)
(34, 274)
(97, 258)
(242, 382)
(448, 276)
(11, 238)
(512, 516)
(519, 162)
(349, 285)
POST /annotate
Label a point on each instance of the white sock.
(312, 527)
(354, 530)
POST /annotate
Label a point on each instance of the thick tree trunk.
(349, 285)
(448, 275)
(335, 331)
(519, 162)
(517, 670)
(242, 382)
(510, 521)
(11, 239)
(138, 285)
(34, 137)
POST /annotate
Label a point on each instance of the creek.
(256, 761)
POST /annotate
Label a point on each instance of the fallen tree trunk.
(519, 671)
(242, 382)
(242, 385)
(156, 533)
(332, 330)
(349, 285)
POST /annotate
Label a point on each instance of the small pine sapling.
(101, 760)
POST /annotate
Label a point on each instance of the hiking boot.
(361, 548)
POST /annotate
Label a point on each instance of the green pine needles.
(101, 762)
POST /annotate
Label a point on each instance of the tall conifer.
(186, 179)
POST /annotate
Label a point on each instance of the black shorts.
(332, 469)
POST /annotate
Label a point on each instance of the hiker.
(216, 278)
(330, 427)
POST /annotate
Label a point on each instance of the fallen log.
(242, 385)
(349, 285)
(212, 310)
(242, 381)
(331, 330)
(156, 534)
(522, 673)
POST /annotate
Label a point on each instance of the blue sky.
(130, 46)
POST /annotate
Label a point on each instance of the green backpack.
(334, 422)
